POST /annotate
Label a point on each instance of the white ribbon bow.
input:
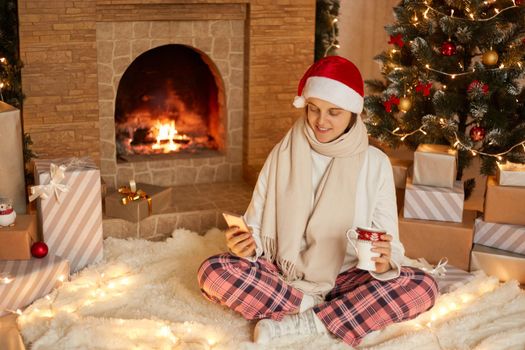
(439, 270)
(53, 187)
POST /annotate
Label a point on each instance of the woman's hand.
(239, 242)
(384, 248)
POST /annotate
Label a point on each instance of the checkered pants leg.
(360, 304)
(253, 289)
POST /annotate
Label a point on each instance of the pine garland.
(326, 30)
(10, 63)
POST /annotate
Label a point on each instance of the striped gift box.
(72, 224)
(501, 236)
(32, 280)
(452, 279)
(434, 203)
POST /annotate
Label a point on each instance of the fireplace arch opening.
(169, 100)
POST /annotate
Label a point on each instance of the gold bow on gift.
(132, 194)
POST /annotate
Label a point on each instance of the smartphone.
(236, 220)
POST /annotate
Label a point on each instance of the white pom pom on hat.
(334, 79)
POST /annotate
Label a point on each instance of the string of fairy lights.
(101, 288)
(452, 75)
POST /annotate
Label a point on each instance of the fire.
(168, 139)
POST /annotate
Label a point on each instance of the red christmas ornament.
(39, 249)
(393, 100)
(476, 84)
(424, 88)
(477, 133)
(397, 40)
(518, 2)
(448, 48)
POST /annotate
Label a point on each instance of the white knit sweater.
(375, 205)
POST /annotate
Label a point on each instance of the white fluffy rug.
(145, 296)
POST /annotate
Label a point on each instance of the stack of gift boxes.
(433, 223)
(500, 234)
(68, 220)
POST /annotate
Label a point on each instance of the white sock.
(308, 302)
(305, 323)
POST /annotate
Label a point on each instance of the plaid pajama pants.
(358, 304)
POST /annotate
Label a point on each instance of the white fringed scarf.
(288, 215)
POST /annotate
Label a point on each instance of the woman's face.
(326, 119)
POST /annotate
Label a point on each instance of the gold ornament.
(404, 104)
(490, 58)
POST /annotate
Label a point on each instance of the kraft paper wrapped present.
(500, 236)
(434, 203)
(434, 240)
(148, 200)
(435, 165)
(69, 209)
(10, 338)
(30, 280)
(504, 204)
(495, 262)
(511, 174)
(401, 169)
(16, 241)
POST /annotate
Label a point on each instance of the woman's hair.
(353, 117)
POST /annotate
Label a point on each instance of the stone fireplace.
(190, 73)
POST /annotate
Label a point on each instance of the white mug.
(361, 238)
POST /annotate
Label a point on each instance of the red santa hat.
(334, 79)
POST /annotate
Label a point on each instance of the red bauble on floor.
(39, 249)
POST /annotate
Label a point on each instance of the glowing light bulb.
(453, 76)
(334, 20)
(403, 138)
(456, 143)
(111, 285)
(427, 66)
(473, 152)
(396, 129)
(61, 278)
(165, 331)
(426, 12)
(3, 60)
(1, 85)
(496, 10)
(211, 341)
(423, 131)
(500, 158)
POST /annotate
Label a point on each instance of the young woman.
(295, 270)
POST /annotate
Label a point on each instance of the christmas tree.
(452, 77)
(10, 64)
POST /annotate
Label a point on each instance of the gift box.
(70, 209)
(452, 279)
(435, 165)
(500, 263)
(401, 169)
(511, 174)
(500, 236)
(12, 183)
(10, 338)
(137, 207)
(16, 241)
(434, 240)
(31, 279)
(504, 204)
(434, 203)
